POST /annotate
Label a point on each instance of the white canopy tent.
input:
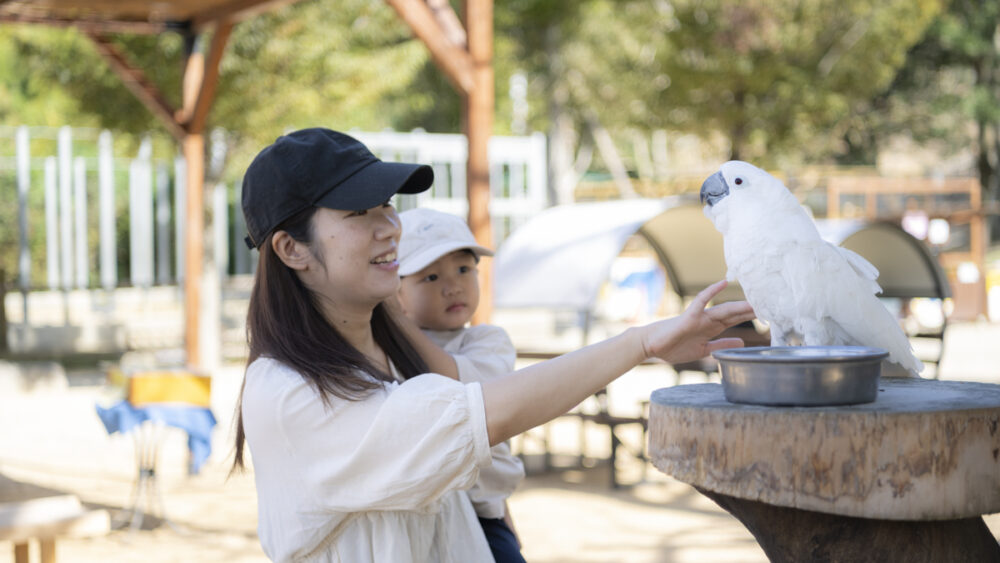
(562, 256)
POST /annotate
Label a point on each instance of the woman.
(361, 452)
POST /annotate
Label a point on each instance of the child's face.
(444, 295)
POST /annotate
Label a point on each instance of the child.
(439, 291)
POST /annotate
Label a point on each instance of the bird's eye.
(739, 181)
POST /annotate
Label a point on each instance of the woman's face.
(355, 255)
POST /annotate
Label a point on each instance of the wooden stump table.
(906, 478)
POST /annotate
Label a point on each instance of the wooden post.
(187, 126)
(193, 146)
(194, 153)
(469, 67)
(47, 550)
(3, 313)
(478, 129)
(201, 76)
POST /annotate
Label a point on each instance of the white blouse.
(483, 352)
(381, 479)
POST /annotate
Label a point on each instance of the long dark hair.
(285, 323)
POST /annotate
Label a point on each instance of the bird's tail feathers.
(885, 332)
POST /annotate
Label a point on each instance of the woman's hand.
(689, 335)
(437, 360)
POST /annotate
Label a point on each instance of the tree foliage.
(949, 90)
(785, 80)
(303, 65)
(774, 77)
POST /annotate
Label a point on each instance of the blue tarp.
(196, 421)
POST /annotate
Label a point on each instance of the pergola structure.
(463, 50)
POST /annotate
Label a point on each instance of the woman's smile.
(386, 261)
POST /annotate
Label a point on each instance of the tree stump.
(905, 477)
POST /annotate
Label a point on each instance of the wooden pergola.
(462, 48)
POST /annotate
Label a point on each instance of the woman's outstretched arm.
(538, 393)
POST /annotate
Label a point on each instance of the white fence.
(517, 173)
(77, 179)
(78, 173)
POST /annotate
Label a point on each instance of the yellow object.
(117, 377)
(145, 387)
(992, 277)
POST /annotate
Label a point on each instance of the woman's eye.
(432, 277)
(464, 269)
(359, 213)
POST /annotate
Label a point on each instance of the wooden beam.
(235, 11)
(478, 129)
(449, 22)
(136, 82)
(455, 61)
(210, 77)
(194, 73)
(93, 26)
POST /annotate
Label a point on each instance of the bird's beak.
(714, 188)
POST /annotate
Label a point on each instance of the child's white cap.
(429, 234)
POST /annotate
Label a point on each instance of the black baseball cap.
(320, 167)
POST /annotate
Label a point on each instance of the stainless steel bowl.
(801, 375)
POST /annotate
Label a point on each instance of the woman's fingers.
(701, 300)
(730, 314)
(731, 309)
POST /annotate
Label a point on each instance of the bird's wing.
(845, 291)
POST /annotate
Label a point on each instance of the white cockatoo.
(809, 291)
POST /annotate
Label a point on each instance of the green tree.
(951, 80)
(779, 80)
(778, 77)
(302, 65)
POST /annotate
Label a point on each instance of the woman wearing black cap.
(360, 451)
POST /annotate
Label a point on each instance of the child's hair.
(285, 323)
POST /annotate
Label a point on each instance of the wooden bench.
(47, 519)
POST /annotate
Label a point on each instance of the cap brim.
(425, 258)
(376, 183)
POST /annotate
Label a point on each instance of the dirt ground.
(567, 517)
(53, 443)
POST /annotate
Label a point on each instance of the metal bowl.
(801, 375)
